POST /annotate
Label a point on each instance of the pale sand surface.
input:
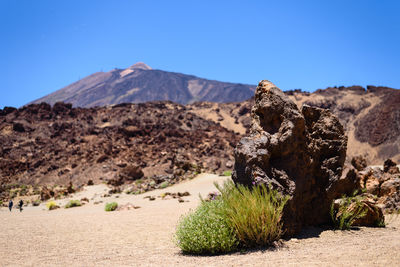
(89, 236)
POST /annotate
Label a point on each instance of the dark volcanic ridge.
(164, 141)
(158, 140)
(139, 83)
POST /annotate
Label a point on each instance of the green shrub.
(253, 213)
(239, 217)
(349, 210)
(111, 206)
(380, 223)
(164, 184)
(227, 173)
(206, 231)
(52, 205)
(73, 203)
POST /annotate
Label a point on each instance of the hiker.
(10, 204)
(20, 204)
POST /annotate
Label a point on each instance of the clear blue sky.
(46, 45)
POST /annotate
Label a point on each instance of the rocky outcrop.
(359, 162)
(390, 166)
(364, 206)
(384, 184)
(373, 213)
(155, 142)
(299, 153)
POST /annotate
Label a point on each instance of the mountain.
(140, 83)
(370, 116)
(160, 141)
(166, 142)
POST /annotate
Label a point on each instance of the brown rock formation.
(359, 162)
(45, 145)
(390, 166)
(384, 184)
(300, 153)
(365, 203)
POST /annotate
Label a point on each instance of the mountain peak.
(140, 65)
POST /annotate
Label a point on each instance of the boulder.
(359, 162)
(299, 153)
(131, 172)
(374, 215)
(371, 180)
(348, 182)
(365, 203)
(385, 185)
(46, 193)
(390, 167)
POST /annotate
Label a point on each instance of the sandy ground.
(89, 236)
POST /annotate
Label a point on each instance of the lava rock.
(299, 153)
(390, 167)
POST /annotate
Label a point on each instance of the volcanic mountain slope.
(41, 144)
(139, 83)
(370, 116)
(56, 145)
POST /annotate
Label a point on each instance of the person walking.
(20, 204)
(10, 204)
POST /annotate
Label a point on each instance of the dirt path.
(89, 236)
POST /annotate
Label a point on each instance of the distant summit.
(140, 83)
(140, 65)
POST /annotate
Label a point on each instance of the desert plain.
(90, 236)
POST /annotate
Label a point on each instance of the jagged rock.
(299, 153)
(59, 144)
(366, 203)
(131, 172)
(46, 193)
(374, 215)
(385, 185)
(371, 179)
(359, 162)
(348, 182)
(18, 127)
(390, 167)
(70, 188)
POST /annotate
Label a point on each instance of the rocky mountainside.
(159, 141)
(139, 83)
(164, 141)
(370, 116)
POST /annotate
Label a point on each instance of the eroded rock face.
(45, 145)
(299, 153)
(384, 184)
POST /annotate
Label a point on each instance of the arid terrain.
(43, 144)
(136, 153)
(89, 236)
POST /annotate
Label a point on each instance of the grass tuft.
(227, 173)
(73, 203)
(254, 213)
(111, 206)
(350, 209)
(240, 217)
(206, 231)
(52, 205)
(164, 184)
